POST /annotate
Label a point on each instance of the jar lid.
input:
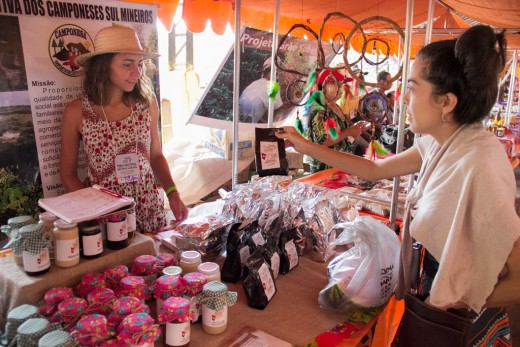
(175, 309)
(71, 308)
(94, 322)
(22, 312)
(31, 230)
(19, 221)
(209, 268)
(56, 338)
(167, 286)
(126, 305)
(139, 327)
(47, 216)
(33, 326)
(89, 225)
(61, 224)
(165, 259)
(216, 295)
(190, 256)
(100, 295)
(132, 282)
(172, 271)
(56, 295)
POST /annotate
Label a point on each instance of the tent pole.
(273, 61)
(402, 106)
(236, 91)
(429, 23)
(512, 81)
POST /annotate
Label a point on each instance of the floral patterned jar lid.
(193, 283)
(89, 282)
(56, 295)
(175, 309)
(69, 310)
(115, 274)
(167, 286)
(144, 265)
(101, 300)
(91, 330)
(138, 328)
(164, 260)
(132, 286)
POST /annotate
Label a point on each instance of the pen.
(108, 191)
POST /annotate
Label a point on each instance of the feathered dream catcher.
(325, 83)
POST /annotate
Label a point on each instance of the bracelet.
(170, 190)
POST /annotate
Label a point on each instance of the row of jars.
(35, 244)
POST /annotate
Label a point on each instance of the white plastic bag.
(366, 274)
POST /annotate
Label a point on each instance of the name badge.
(127, 168)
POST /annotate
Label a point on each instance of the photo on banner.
(215, 107)
(39, 77)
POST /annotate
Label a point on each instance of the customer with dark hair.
(385, 79)
(462, 206)
(117, 120)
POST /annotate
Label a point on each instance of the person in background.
(389, 116)
(349, 138)
(116, 119)
(462, 207)
(385, 79)
(254, 100)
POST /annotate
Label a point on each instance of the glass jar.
(215, 299)
(90, 239)
(66, 238)
(190, 261)
(16, 223)
(47, 219)
(117, 233)
(131, 223)
(172, 271)
(176, 315)
(35, 252)
(210, 270)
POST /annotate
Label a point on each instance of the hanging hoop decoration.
(296, 92)
(384, 43)
(339, 41)
(331, 87)
(320, 58)
(359, 27)
(373, 107)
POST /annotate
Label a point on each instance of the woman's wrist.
(171, 190)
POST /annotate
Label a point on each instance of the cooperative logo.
(67, 43)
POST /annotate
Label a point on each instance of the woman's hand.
(177, 206)
(356, 129)
(292, 136)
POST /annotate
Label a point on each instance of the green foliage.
(17, 197)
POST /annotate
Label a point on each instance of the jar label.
(267, 281)
(36, 262)
(177, 334)
(214, 319)
(67, 250)
(116, 231)
(92, 244)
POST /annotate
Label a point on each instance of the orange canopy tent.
(259, 14)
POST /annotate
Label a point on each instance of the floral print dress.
(104, 140)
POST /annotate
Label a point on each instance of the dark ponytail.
(469, 67)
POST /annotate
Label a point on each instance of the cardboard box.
(221, 142)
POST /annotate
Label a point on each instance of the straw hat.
(115, 39)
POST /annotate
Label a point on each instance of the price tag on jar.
(127, 168)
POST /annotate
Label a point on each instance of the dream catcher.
(374, 105)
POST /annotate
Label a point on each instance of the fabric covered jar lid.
(131, 282)
(56, 295)
(163, 260)
(16, 317)
(56, 338)
(193, 282)
(69, 309)
(175, 309)
(33, 326)
(215, 295)
(166, 286)
(138, 328)
(144, 265)
(91, 330)
(126, 305)
(100, 295)
(88, 282)
(19, 221)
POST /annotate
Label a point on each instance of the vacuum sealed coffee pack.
(270, 156)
